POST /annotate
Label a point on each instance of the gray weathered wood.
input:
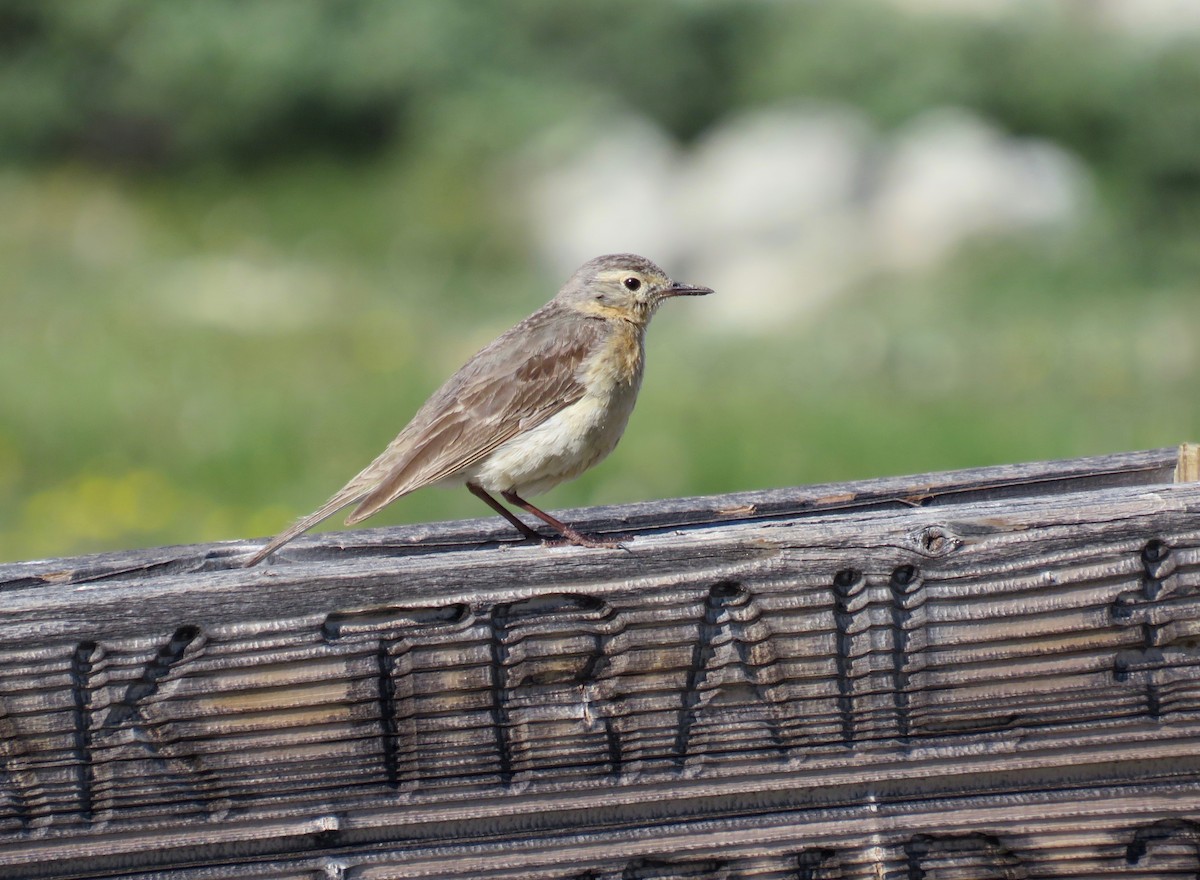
(987, 673)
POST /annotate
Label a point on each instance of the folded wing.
(514, 384)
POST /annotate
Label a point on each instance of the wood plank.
(990, 673)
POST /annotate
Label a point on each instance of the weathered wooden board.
(992, 673)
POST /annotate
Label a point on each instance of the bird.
(539, 405)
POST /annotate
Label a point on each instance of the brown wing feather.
(516, 383)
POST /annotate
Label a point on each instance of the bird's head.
(622, 286)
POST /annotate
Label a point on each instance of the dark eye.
(633, 283)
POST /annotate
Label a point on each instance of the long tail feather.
(374, 501)
(346, 497)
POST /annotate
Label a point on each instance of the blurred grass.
(191, 359)
(237, 258)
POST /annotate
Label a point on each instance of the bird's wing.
(516, 383)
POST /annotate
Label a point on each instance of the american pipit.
(541, 404)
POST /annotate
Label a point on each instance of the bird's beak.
(678, 288)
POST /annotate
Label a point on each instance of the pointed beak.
(678, 288)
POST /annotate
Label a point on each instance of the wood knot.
(936, 541)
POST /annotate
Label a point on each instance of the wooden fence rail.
(979, 674)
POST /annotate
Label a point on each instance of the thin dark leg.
(495, 505)
(561, 527)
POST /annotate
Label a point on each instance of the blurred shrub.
(151, 83)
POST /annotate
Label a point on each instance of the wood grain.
(990, 673)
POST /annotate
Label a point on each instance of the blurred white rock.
(770, 200)
(949, 177)
(765, 173)
(1159, 20)
(1156, 20)
(611, 195)
(246, 293)
(783, 209)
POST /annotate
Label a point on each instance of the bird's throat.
(637, 317)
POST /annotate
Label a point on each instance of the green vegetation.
(345, 162)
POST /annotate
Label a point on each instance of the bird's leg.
(559, 526)
(495, 505)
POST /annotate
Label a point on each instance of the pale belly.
(562, 447)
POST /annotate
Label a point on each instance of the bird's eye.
(632, 283)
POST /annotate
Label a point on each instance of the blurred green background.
(242, 241)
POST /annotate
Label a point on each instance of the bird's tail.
(346, 497)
